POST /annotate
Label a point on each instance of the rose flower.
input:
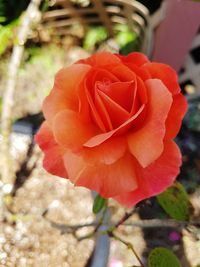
(109, 125)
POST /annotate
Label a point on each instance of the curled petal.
(156, 177)
(53, 161)
(122, 93)
(146, 144)
(97, 75)
(175, 116)
(100, 138)
(108, 152)
(117, 114)
(136, 58)
(123, 73)
(102, 111)
(140, 72)
(70, 131)
(65, 92)
(69, 78)
(54, 103)
(101, 59)
(95, 115)
(108, 180)
(165, 73)
(142, 91)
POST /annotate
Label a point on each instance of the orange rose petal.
(69, 78)
(108, 180)
(64, 93)
(117, 114)
(54, 103)
(95, 114)
(116, 91)
(53, 161)
(156, 177)
(83, 105)
(165, 73)
(140, 72)
(123, 73)
(101, 59)
(99, 75)
(146, 144)
(102, 111)
(136, 58)
(100, 138)
(70, 131)
(44, 137)
(140, 96)
(142, 91)
(108, 152)
(175, 116)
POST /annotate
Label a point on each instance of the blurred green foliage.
(127, 40)
(124, 35)
(192, 117)
(94, 36)
(99, 204)
(7, 35)
(191, 181)
(162, 257)
(175, 202)
(10, 11)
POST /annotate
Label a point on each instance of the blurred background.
(37, 38)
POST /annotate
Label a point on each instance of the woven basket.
(63, 14)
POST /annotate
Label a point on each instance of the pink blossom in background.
(174, 236)
(115, 263)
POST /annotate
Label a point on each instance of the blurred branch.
(26, 167)
(152, 223)
(30, 16)
(126, 216)
(128, 245)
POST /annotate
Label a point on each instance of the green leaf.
(175, 202)
(7, 35)
(162, 257)
(99, 204)
(94, 36)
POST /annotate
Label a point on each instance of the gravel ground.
(30, 240)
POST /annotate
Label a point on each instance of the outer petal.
(156, 177)
(165, 73)
(70, 131)
(53, 161)
(65, 92)
(135, 58)
(175, 116)
(141, 72)
(108, 180)
(108, 152)
(101, 59)
(146, 144)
